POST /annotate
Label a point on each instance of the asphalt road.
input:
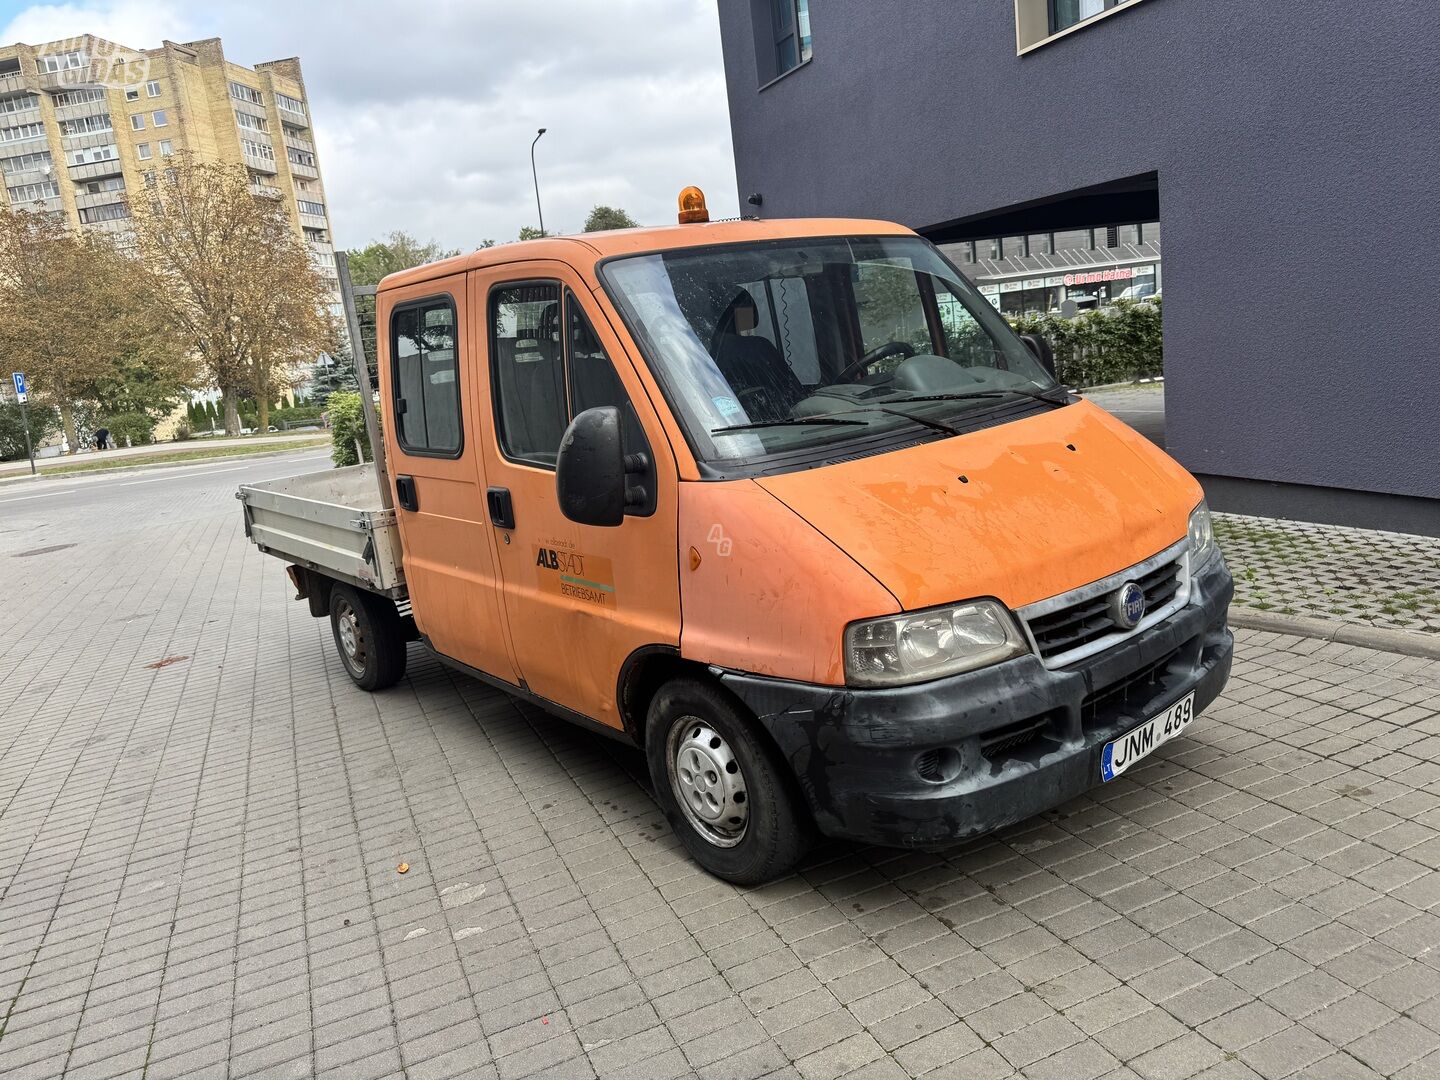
(73, 509)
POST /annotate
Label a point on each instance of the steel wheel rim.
(707, 782)
(352, 639)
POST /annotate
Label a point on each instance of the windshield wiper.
(965, 395)
(825, 420)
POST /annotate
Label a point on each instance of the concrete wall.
(1297, 148)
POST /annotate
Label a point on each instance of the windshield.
(773, 347)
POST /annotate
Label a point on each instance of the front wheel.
(722, 786)
(368, 636)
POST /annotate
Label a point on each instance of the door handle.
(502, 512)
(406, 494)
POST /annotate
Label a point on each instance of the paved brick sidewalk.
(1347, 575)
(198, 865)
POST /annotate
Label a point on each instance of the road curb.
(143, 466)
(1405, 642)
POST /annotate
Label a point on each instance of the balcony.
(260, 165)
(86, 199)
(266, 191)
(299, 142)
(79, 109)
(21, 116)
(313, 221)
(309, 172)
(12, 82)
(94, 170)
(38, 175)
(120, 225)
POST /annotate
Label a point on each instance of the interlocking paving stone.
(1349, 575)
(197, 871)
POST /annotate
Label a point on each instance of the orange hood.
(1021, 511)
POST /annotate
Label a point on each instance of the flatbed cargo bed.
(331, 522)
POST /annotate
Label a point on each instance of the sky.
(424, 111)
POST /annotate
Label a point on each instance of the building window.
(25, 163)
(263, 151)
(1067, 13)
(25, 193)
(144, 151)
(300, 157)
(132, 95)
(60, 62)
(78, 97)
(314, 209)
(790, 23)
(254, 123)
(110, 183)
(158, 116)
(425, 378)
(86, 125)
(165, 148)
(138, 121)
(108, 152)
(241, 92)
(290, 104)
(109, 212)
(152, 88)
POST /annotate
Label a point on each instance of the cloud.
(424, 112)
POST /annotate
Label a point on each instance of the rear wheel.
(722, 786)
(368, 636)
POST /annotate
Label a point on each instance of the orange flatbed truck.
(786, 504)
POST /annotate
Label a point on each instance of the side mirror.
(590, 469)
(1041, 348)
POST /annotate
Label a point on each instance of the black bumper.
(1000, 744)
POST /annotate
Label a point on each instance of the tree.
(485, 244)
(609, 217)
(398, 251)
(81, 319)
(530, 232)
(239, 283)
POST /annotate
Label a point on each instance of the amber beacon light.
(692, 206)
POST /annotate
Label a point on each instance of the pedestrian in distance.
(102, 439)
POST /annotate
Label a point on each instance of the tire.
(368, 637)
(749, 840)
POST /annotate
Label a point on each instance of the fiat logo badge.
(1127, 605)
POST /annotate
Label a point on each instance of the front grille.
(1065, 630)
(1137, 686)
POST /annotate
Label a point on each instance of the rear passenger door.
(427, 381)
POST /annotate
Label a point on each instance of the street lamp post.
(536, 177)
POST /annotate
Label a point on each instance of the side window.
(593, 381)
(425, 378)
(528, 371)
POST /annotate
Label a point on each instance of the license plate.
(1136, 743)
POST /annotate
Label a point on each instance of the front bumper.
(1000, 744)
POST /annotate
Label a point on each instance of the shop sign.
(1120, 273)
(1010, 286)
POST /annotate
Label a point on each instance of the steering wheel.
(880, 352)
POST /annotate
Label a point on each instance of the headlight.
(900, 649)
(1202, 535)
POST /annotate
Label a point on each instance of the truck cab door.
(579, 599)
(427, 379)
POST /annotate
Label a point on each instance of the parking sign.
(19, 377)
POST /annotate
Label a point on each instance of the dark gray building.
(1290, 152)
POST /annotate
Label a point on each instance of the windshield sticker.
(575, 576)
(727, 406)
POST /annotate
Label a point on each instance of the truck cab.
(789, 506)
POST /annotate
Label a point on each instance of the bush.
(1113, 344)
(44, 422)
(182, 433)
(136, 427)
(347, 423)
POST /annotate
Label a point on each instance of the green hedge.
(347, 423)
(1112, 344)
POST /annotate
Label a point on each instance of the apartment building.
(1279, 145)
(84, 121)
